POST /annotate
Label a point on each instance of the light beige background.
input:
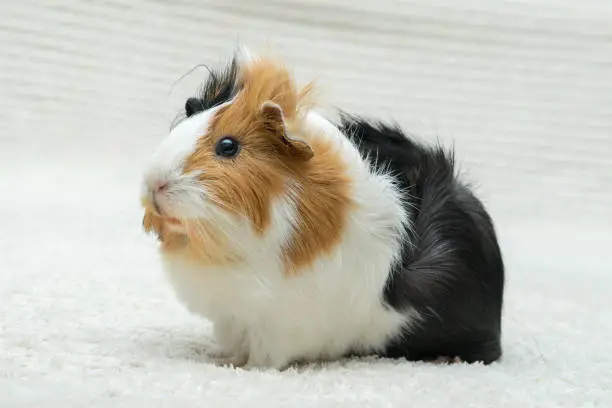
(522, 88)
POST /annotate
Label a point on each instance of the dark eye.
(227, 147)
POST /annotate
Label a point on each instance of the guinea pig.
(304, 239)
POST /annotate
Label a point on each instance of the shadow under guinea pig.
(197, 346)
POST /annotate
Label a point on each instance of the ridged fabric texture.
(523, 88)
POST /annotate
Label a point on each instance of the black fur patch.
(220, 87)
(451, 272)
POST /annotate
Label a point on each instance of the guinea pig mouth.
(159, 211)
(153, 206)
(172, 220)
(167, 218)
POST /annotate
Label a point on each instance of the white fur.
(265, 319)
(184, 195)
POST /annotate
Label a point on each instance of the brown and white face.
(223, 168)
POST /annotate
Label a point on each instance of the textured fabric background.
(523, 89)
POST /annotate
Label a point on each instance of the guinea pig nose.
(160, 186)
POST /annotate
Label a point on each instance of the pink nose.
(160, 187)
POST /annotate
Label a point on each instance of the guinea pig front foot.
(221, 356)
(237, 361)
(447, 360)
(214, 351)
(259, 360)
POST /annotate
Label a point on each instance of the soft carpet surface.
(88, 320)
(523, 89)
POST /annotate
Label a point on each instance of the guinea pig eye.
(227, 147)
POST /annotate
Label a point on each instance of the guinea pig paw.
(237, 361)
(447, 360)
(266, 363)
(215, 351)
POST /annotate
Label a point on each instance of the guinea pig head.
(213, 182)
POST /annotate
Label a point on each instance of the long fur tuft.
(452, 271)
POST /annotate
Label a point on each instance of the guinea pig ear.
(274, 121)
(193, 106)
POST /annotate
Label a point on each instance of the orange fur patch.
(198, 240)
(323, 205)
(248, 184)
(267, 162)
